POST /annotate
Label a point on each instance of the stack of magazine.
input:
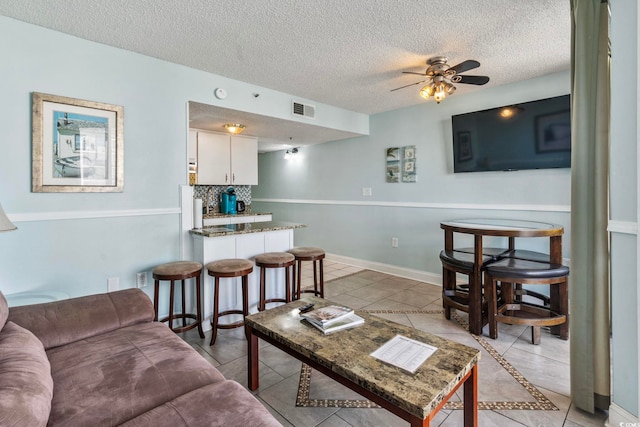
(332, 318)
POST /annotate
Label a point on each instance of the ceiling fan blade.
(473, 80)
(412, 84)
(464, 66)
(411, 72)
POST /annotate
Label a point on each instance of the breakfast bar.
(240, 241)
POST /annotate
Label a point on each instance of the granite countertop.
(347, 353)
(251, 227)
(245, 213)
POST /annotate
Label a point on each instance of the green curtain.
(589, 280)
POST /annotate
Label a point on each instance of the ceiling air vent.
(304, 110)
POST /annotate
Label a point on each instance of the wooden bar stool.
(179, 270)
(461, 297)
(511, 272)
(308, 254)
(229, 268)
(274, 260)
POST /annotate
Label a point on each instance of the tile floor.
(418, 304)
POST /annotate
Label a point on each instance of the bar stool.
(510, 272)
(229, 268)
(179, 270)
(308, 254)
(274, 260)
(466, 297)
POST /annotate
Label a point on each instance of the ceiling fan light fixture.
(234, 128)
(449, 88)
(440, 93)
(427, 91)
(441, 76)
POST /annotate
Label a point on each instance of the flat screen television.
(529, 135)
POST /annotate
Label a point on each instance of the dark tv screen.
(528, 135)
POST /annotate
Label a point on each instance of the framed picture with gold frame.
(77, 145)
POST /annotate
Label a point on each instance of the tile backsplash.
(243, 192)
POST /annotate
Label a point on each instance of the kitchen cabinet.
(227, 159)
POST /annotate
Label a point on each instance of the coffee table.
(345, 357)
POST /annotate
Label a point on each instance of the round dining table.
(510, 228)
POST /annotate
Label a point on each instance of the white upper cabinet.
(244, 160)
(227, 160)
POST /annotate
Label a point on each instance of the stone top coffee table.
(345, 357)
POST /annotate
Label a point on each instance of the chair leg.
(287, 283)
(446, 279)
(184, 305)
(492, 304)
(171, 295)
(199, 307)
(156, 289)
(315, 279)
(321, 278)
(297, 278)
(214, 330)
(261, 304)
(535, 335)
(245, 302)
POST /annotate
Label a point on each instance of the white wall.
(324, 187)
(74, 242)
(623, 224)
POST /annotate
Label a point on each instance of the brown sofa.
(101, 360)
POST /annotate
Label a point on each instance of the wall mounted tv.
(529, 135)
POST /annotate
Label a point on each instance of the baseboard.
(422, 276)
(620, 417)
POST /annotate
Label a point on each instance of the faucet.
(208, 198)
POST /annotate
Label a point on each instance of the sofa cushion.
(4, 310)
(223, 404)
(26, 386)
(62, 322)
(113, 377)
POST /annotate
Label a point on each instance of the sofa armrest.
(61, 322)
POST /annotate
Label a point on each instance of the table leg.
(448, 240)
(252, 360)
(555, 257)
(475, 290)
(471, 398)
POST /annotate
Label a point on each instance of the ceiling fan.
(441, 76)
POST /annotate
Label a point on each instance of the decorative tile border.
(541, 402)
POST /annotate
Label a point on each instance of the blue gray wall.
(623, 223)
(323, 188)
(74, 242)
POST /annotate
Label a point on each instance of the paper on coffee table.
(404, 353)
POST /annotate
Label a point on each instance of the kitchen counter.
(243, 241)
(246, 228)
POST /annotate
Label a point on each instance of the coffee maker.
(228, 201)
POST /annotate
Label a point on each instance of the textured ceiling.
(347, 53)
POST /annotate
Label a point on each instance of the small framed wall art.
(77, 145)
(401, 164)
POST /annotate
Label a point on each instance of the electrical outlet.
(113, 284)
(394, 242)
(141, 279)
(366, 191)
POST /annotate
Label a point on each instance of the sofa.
(101, 360)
